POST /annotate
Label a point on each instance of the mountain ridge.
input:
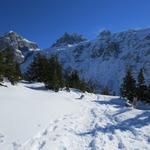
(21, 46)
(104, 60)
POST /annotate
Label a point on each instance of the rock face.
(22, 47)
(104, 61)
(68, 39)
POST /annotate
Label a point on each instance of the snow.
(26, 109)
(107, 69)
(28, 41)
(33, 118)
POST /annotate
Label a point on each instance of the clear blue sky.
(43, 21)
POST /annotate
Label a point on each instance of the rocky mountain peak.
(67, 39)
(22, 47)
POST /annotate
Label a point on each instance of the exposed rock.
(20, 45)
(67, 39)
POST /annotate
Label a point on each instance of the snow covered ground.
(32, 118)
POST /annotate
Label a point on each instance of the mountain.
(68, 39)
(22, 47)
(104, 60)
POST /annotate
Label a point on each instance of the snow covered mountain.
(104, 60)
(22, 47)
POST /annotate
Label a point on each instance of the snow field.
(63, 121)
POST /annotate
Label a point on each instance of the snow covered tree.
(128, 87)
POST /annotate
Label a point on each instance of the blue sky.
(43, 21)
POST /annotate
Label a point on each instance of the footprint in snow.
(55, 127)
(121, 146)
(1, 138)
(110, 137)
(148, 140)
(56, 121)
(39, 125)
(45, 132)
(16, 146)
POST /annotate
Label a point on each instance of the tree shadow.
(39, 88)
(116, 102)
(130, 124)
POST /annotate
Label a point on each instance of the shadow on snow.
(129, 124)
(41, 88)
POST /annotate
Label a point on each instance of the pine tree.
(11, 68)
(38, 68)
(54, 79)
(128, 88)
(140, 85)
(1, 67)
(105, 91)
(147, 94)
(73, 80)
(48, 71)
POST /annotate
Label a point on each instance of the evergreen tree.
(140, 85)
(147, 94)
(128, 88)
(38, 69)
(48, 71)
(105, 91)
(73, 80)
(11, 68)
(1, 67)
(54, 78)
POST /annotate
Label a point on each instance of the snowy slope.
(25, 109)
(105, 59)
(35, 119)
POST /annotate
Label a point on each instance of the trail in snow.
(103, 124)
(67, 121)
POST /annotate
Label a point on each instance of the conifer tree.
(147, 94)
(1, 67)
(73, 80)
(54, 78)
(11, 68)
(38, 68)
(105, 91)
(140, 85)
(128, 88)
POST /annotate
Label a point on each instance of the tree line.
(9, 69)
(50, 72)
(135, 89)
